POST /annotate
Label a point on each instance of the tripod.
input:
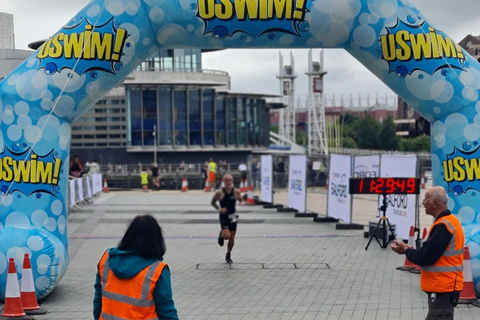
(386, 237)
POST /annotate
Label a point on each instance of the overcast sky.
(256, 70)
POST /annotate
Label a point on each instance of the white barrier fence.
(84, 189)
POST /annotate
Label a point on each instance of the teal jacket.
(126, 265)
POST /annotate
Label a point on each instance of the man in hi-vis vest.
(440, 257)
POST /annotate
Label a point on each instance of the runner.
(227, 197)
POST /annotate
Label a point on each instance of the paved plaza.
(284, 267)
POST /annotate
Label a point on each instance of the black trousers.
(440, 305)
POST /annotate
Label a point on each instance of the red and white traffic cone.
(13, 302)
(105, 185)
(408, 265)
(207, 186)
(467, 295)
(250, 199)
(242, 186)
(27, 290)
(184, 185)
(422, 182)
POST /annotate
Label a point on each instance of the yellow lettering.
(224, 10)
(22, 171)
(404, 52)
(44, 172)
(86, 42)
(433, 38)
(446, 46)
(73, 45)
(251, 7)
(388, 47)
(473, 169)
(56, 51)
(7, 172)
(33, 169)
(102, 48)
(459, 174)
(421, 46)
(43, 52)
(448, 171)
(282, 8)
(264, 9)
(206, 9)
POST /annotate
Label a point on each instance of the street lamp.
(154, 144)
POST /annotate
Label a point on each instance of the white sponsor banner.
(71, 184)
(297, 184)
(401, 207)
(80, 189)
(89, 186)
(366, 166)
(97, 183)
(266, 178)
(339, 199)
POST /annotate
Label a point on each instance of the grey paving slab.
(284, 267)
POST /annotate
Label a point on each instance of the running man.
(227, 197)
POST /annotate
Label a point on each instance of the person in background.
(144, 180)
(155, 176)
(242, 167)
(280, 169)
(440, 256)
(227, 197)
(132, 281)
(212, 174)
(94, 167)
(76, 167)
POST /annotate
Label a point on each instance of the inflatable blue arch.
(108, 38)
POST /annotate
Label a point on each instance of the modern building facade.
(171, 108)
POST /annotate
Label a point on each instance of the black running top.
(228, 201)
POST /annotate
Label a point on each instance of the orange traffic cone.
(422, 182)
(250, 200)
(13, 301)
(105, 185)
(408, 265)
(207, 186)
(184, 185)
(468, 293)
(418, 269)
(27, 290)
(242, 186)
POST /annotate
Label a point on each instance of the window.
(164, 129)
(208, 96)
(232, 121)
(195, 130)
(241, 121)
(135, 116)
(220, 120)
(180, 117)
(149, 99)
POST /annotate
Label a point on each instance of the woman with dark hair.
(132, 281)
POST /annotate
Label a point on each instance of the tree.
(368, 132)
(274, 128)
(388, 139)
(420, 143)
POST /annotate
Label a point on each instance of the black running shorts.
(228, 221)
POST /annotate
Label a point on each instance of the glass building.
(172, 106)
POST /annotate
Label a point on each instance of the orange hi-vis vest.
(129, 298)
(446, 275)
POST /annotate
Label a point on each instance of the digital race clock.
(384, 185)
